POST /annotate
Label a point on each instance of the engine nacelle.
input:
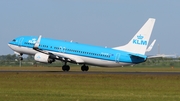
(41, 57)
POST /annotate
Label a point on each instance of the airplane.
(48, 50)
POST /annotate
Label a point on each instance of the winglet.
(36, 45)
(151, 46)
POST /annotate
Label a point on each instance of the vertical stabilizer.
(138, 44)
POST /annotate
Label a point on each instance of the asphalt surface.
(90, 72)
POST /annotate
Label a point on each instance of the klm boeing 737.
(48, 50)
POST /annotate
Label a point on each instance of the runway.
(91, 72)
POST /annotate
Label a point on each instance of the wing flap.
(68, 58)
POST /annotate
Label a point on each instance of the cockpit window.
(14, 40)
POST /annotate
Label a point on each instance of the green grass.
(102, 69)
(58, 86)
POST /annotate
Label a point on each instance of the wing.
(57, 56)
(151, 46)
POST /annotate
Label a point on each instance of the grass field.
(27, 86)
(114, 69)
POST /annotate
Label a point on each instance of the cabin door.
(117, 57)
(20, 41)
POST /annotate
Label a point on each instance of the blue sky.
(97, 22)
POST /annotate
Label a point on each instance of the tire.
(66, 68)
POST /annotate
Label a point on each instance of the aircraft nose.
(9, 45)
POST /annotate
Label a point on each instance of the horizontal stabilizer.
(138, 56)
(161, 56)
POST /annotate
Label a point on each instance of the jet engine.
(41, 57)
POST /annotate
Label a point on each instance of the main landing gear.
(84, 68)
(66, 67)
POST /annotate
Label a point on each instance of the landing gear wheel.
(84, 68)
(21, 58)
(66, 68)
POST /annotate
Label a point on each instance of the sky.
(108, 23)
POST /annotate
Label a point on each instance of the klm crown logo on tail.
(140, 40)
